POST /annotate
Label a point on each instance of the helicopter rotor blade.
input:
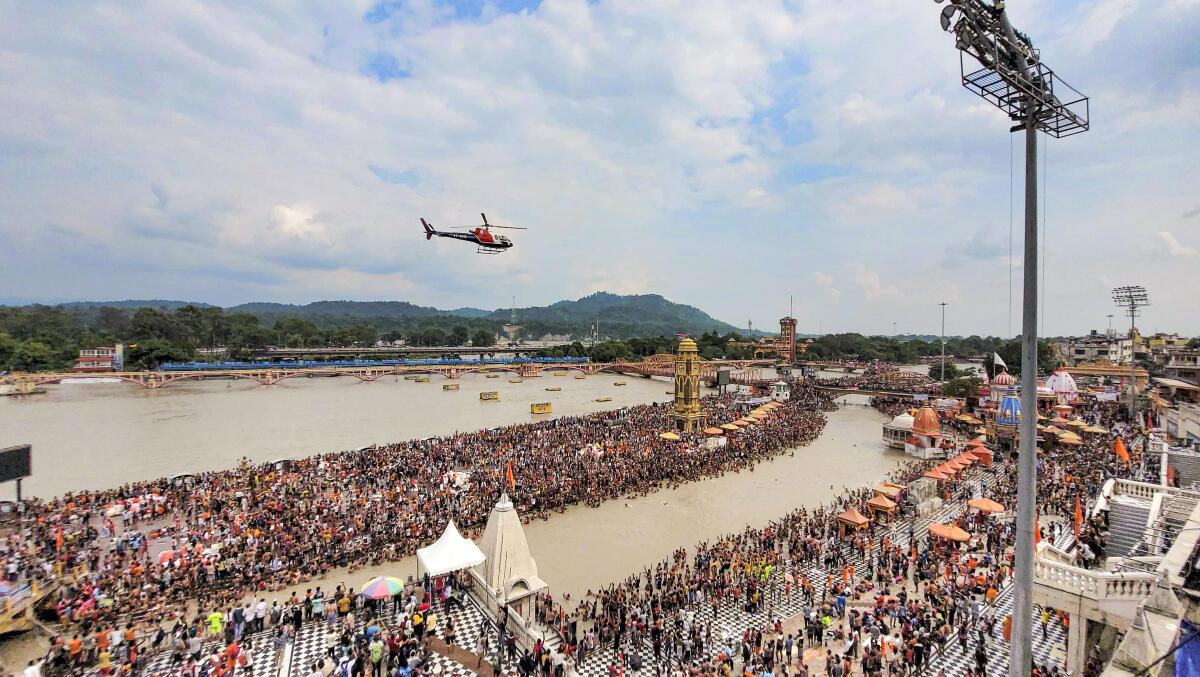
(510, 227)
(485, 223)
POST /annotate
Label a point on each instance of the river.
(105, 434)
(97, 435)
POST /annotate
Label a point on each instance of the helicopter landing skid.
(488, 250)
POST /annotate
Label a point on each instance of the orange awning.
(712, 431)
(881, 502)
(950, 533)
(853, 517)
(985, 505)
(935, 474)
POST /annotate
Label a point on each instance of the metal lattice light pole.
(1132, 299)
(1013, 78)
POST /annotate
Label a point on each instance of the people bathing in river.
(234, 535)
(144, 550)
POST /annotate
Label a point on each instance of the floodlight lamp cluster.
(1013, 77)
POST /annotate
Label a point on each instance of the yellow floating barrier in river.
(618, 383)
(603, 399)
(489, 395)
(492, 376)
(540, 408)
(553, 390)
(423, 379)
(449, 386)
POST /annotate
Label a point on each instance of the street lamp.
(1014, 79)
(1132, 299)
(943, 304)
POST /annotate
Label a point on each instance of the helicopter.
(485, 242)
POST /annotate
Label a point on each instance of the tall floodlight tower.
(1132, 299)
(1013, 78)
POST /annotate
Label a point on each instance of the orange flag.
(1078, 516)
(512, 482)
(1037, 533)
(58, 539)
(1122, 452)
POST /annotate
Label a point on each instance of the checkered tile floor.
(314, 639)
(263, 652)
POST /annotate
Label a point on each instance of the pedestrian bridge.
(655, 366)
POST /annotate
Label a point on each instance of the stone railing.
(1146, 491)
(1095, 585)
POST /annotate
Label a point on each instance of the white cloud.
(298, 223)
(871, 285)
(825, 281)
(231, 147)
(1174, 246)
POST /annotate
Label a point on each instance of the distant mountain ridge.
(617, 316)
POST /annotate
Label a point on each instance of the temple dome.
(926, 422)
(1004, 378)
(687, 345)
(903, 421)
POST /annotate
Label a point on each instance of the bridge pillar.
(453, 373)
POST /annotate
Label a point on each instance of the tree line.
(42, 338)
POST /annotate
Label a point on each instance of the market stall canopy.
(449, 553)
(729, 426)
(853, 517)
(949, 532)
(886, 490)
(668, 436)
(712, 431)
(977, 442)
(985, 505)
(881, 503)
(934, 474)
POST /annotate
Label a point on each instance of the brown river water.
(100, 435)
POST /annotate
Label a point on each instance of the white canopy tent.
(449, 553)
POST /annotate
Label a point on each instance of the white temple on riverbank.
(509, 575)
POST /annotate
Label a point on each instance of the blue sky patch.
(404, 177)
(384, 67)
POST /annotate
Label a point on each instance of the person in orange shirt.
(75, 649)
(102, 638)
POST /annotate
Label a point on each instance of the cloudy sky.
(722, 154)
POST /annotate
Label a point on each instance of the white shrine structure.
(508, 576)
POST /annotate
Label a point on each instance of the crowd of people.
(874, 602)
(151, 549)
(912, 596)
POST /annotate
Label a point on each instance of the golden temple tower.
(687, 413)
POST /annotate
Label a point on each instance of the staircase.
(1127, 521)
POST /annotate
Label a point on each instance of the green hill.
(617, 316)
